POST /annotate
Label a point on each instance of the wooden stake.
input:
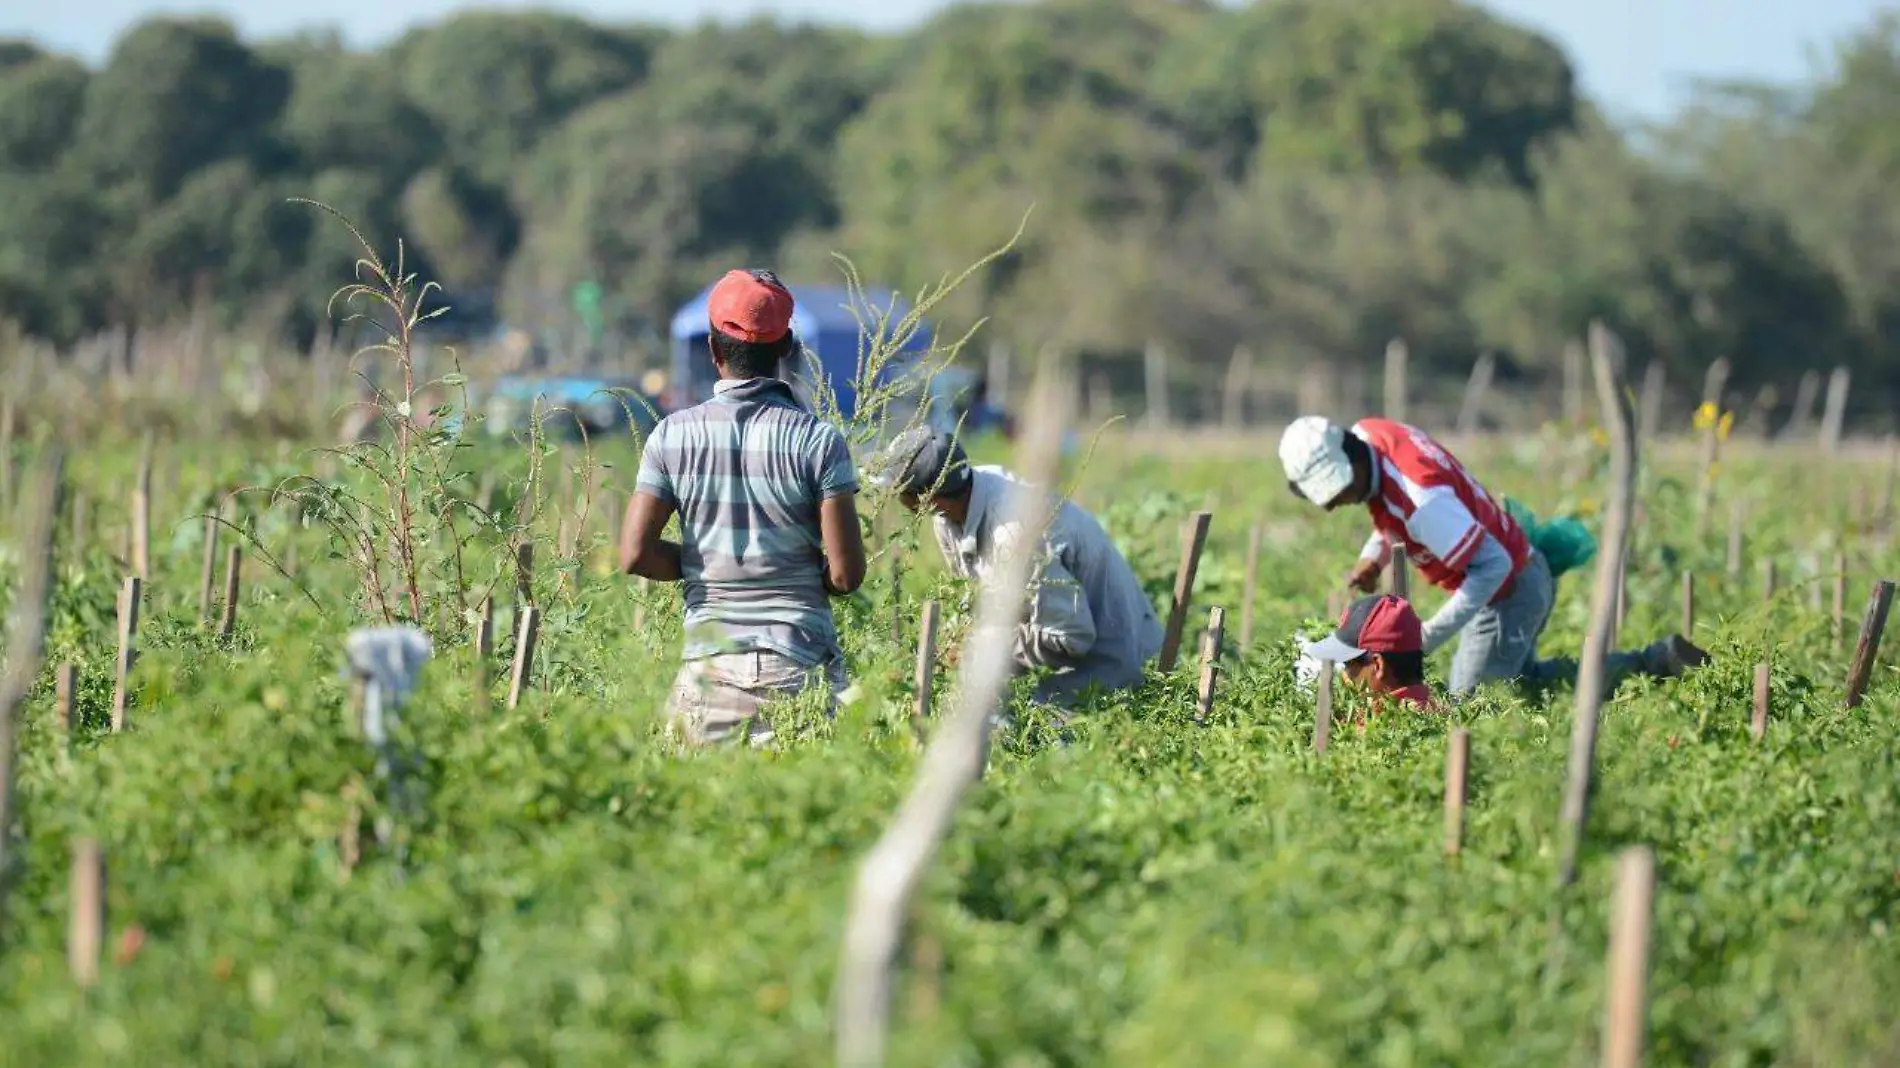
(1835, 415)
(209, 573)
(66, 695)
(1573, 384)
(1397, 361)
(485, 653)
(1688, 604)
(1605, 353)
(524, 581)
(1868, 647)
(1399, 576)
(1649, 410)
(142, 515)
(1758, 723)
(1626, 1009)
(1323, 706)
(927, 624)
(888, 877)
(86, 925)
(1193, 539)
(1210, 661)
(1471, 411)
(129, 596)
(1457, 762)
(524, 654)
(1251, 581)
(233, 570)
(1737, 521)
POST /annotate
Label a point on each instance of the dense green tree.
(40, 102)
(176, 95)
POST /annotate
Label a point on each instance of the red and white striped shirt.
(1425, 500)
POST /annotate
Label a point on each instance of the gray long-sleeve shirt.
(1090, 620)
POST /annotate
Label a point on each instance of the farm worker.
(1381, 646)
(1422, 500)
(765, 493)
(1090, 622)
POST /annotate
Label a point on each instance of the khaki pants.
(715, 697)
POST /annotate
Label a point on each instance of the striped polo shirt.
(746, 472)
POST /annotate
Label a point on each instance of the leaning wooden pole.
(1596, 643)
(26, 637)
(890, 872)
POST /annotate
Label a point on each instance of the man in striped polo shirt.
(1423, 502)
(765, 492)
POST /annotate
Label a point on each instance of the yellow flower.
(1705, 416)
(1722, 428)
(1598, 437)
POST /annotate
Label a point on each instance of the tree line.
(1306, 177)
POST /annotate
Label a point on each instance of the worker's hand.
(1364, 576)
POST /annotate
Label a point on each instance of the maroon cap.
(1378, 624)
(751, 306)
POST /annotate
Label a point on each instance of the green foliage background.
(1310, 177)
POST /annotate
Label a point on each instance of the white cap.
(1313, 452)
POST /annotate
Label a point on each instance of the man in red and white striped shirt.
(1462, 540)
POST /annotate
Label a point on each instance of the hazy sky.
(1634, 55)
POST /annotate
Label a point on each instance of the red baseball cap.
(751, 306)
(1378, 624)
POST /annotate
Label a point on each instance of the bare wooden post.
(66, 695)
(890, 872)
(142, 515)
(1649, 414)
(208, 575)
(1573, 383)
(1758, 723)
(86, 925)
(1155, 365)
(1835, 416)
(1804, 396)
(26, 635)
(1323, 706)
(1596, 644)
(1397, 359)
(1193, 539)
(524, 581)
(1472, 409)
(998, 374)
(1626, 1009)
(1868, 647)
(1737, 523)
(1457, 762)
(1840, 599)
(1251, 581)
(1210, 661)
(484, 653)
(233, 572)
(1688, 604)
(1234, 395)
(1399, 576)
(129, 596)
(524, 654)
(926, 667)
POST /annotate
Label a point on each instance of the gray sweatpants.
(1501, 641)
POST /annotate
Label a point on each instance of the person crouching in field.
(1423, 501)
(1380, 644)
(1090, 621)
(765, 492)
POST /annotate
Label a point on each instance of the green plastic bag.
(1565, 542)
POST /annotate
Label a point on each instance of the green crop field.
(571, 890)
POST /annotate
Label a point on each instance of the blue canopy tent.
(823, 320)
